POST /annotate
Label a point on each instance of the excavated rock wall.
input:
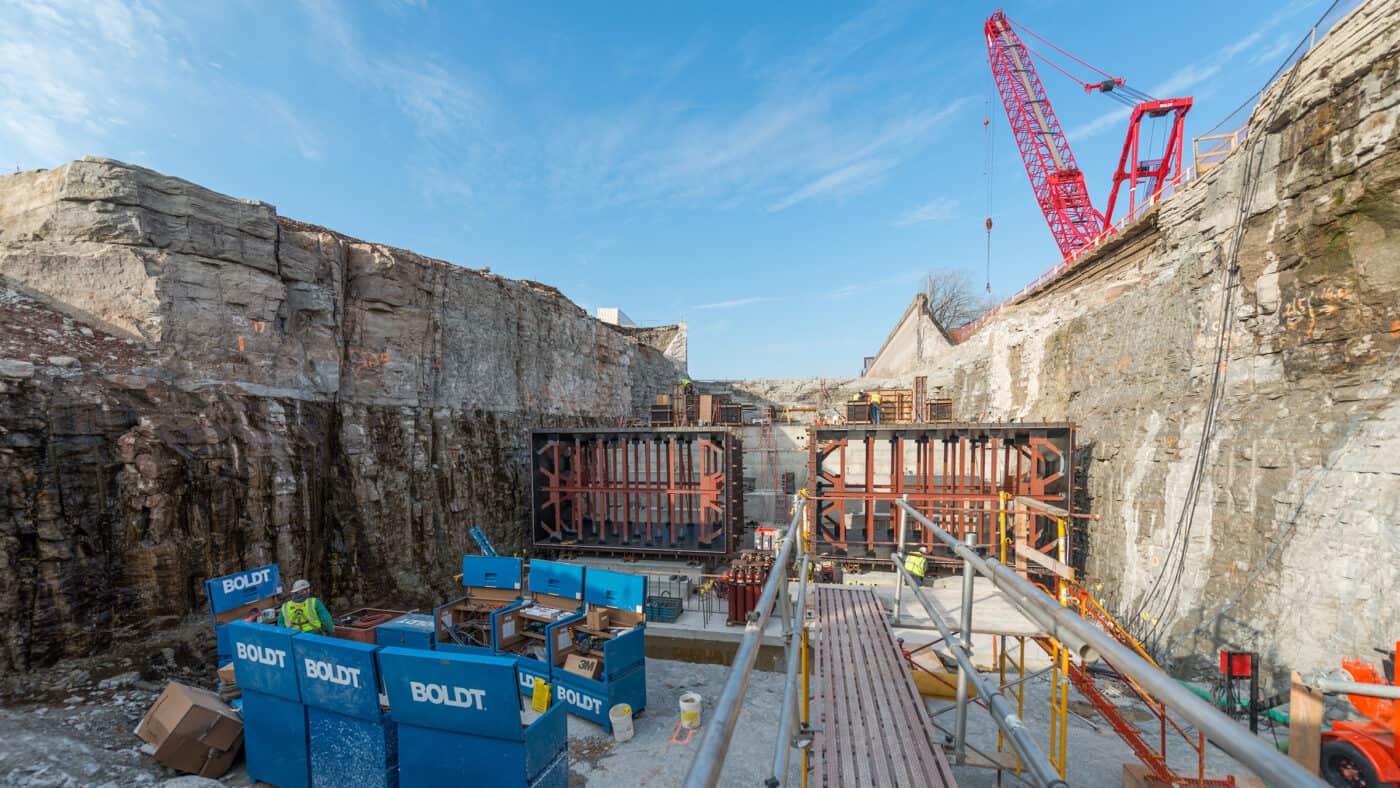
(1125, 347)
(236, 388)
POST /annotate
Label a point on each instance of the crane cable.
(987, 169)
(1133, 95)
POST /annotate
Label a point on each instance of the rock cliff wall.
(191, 384)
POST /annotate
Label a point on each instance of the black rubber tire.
(1346, 767)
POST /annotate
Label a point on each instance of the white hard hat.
(923, 549)
(301, 585)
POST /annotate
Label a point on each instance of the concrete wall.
(916, 340)
(191, 385)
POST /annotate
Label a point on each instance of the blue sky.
(779, 175)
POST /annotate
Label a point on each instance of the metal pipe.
(714, 745)
(899, 587)
(1266, 762)
(789, 708)
(1338, 686)
(965, 633)
(1042, 773)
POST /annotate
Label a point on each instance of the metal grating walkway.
(873, 729)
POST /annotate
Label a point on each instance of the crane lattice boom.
(1055, 177)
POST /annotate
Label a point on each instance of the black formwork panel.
(659, 492)
(954, 473)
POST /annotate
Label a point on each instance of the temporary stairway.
(1153, 755)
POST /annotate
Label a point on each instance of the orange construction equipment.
(1365, 753)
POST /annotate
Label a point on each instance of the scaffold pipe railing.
(714, 745)
(1035, 763)
(1269, 764)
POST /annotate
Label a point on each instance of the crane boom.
(1055, 177)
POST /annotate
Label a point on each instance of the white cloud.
(851, 177)
(733, 303)
(815, 124)
(939, 209)
(70, 70)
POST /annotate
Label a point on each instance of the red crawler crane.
(1055, 176)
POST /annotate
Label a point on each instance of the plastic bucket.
(690, 710)
(621, 718)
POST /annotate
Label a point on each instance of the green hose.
(1273, 714)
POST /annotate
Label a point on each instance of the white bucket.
(690, 710)
(621, 718)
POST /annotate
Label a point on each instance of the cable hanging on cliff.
(1163, 593)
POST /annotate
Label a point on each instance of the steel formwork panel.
(662, 492)
(954, 473)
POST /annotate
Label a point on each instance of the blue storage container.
(236, 597)
(556, 596)
(413, 630)
(352, 741)
(466, 623)
(613, 630)
(460, 720)
(274, 719)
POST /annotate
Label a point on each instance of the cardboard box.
(597, 620)
(226, 675)
(588, 667)
(192, 731)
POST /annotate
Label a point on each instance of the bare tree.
(953, 298)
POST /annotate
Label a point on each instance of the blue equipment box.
(523, 631)
(460, 720)
(352, 740)
(274, 719)
(236, 597)
(466, 623)
(413, 630)
(613, 631)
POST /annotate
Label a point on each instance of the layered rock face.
(236, 388)
(1294, 546)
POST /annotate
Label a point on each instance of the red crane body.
(1055, 176)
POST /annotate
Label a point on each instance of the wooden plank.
(875, 728)
(893, 768)
(1045, 561)
(1053, 511)
(1305, 725)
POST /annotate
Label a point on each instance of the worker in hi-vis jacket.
(304, 612)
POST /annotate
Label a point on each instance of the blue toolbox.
(412, 630)
(598, 660)
(556, 595)
(493, 585)
(240, 596)
(460, 721)
(274, 719)
(352, 740)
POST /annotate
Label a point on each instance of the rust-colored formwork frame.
(954, 473)
(661, 492)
